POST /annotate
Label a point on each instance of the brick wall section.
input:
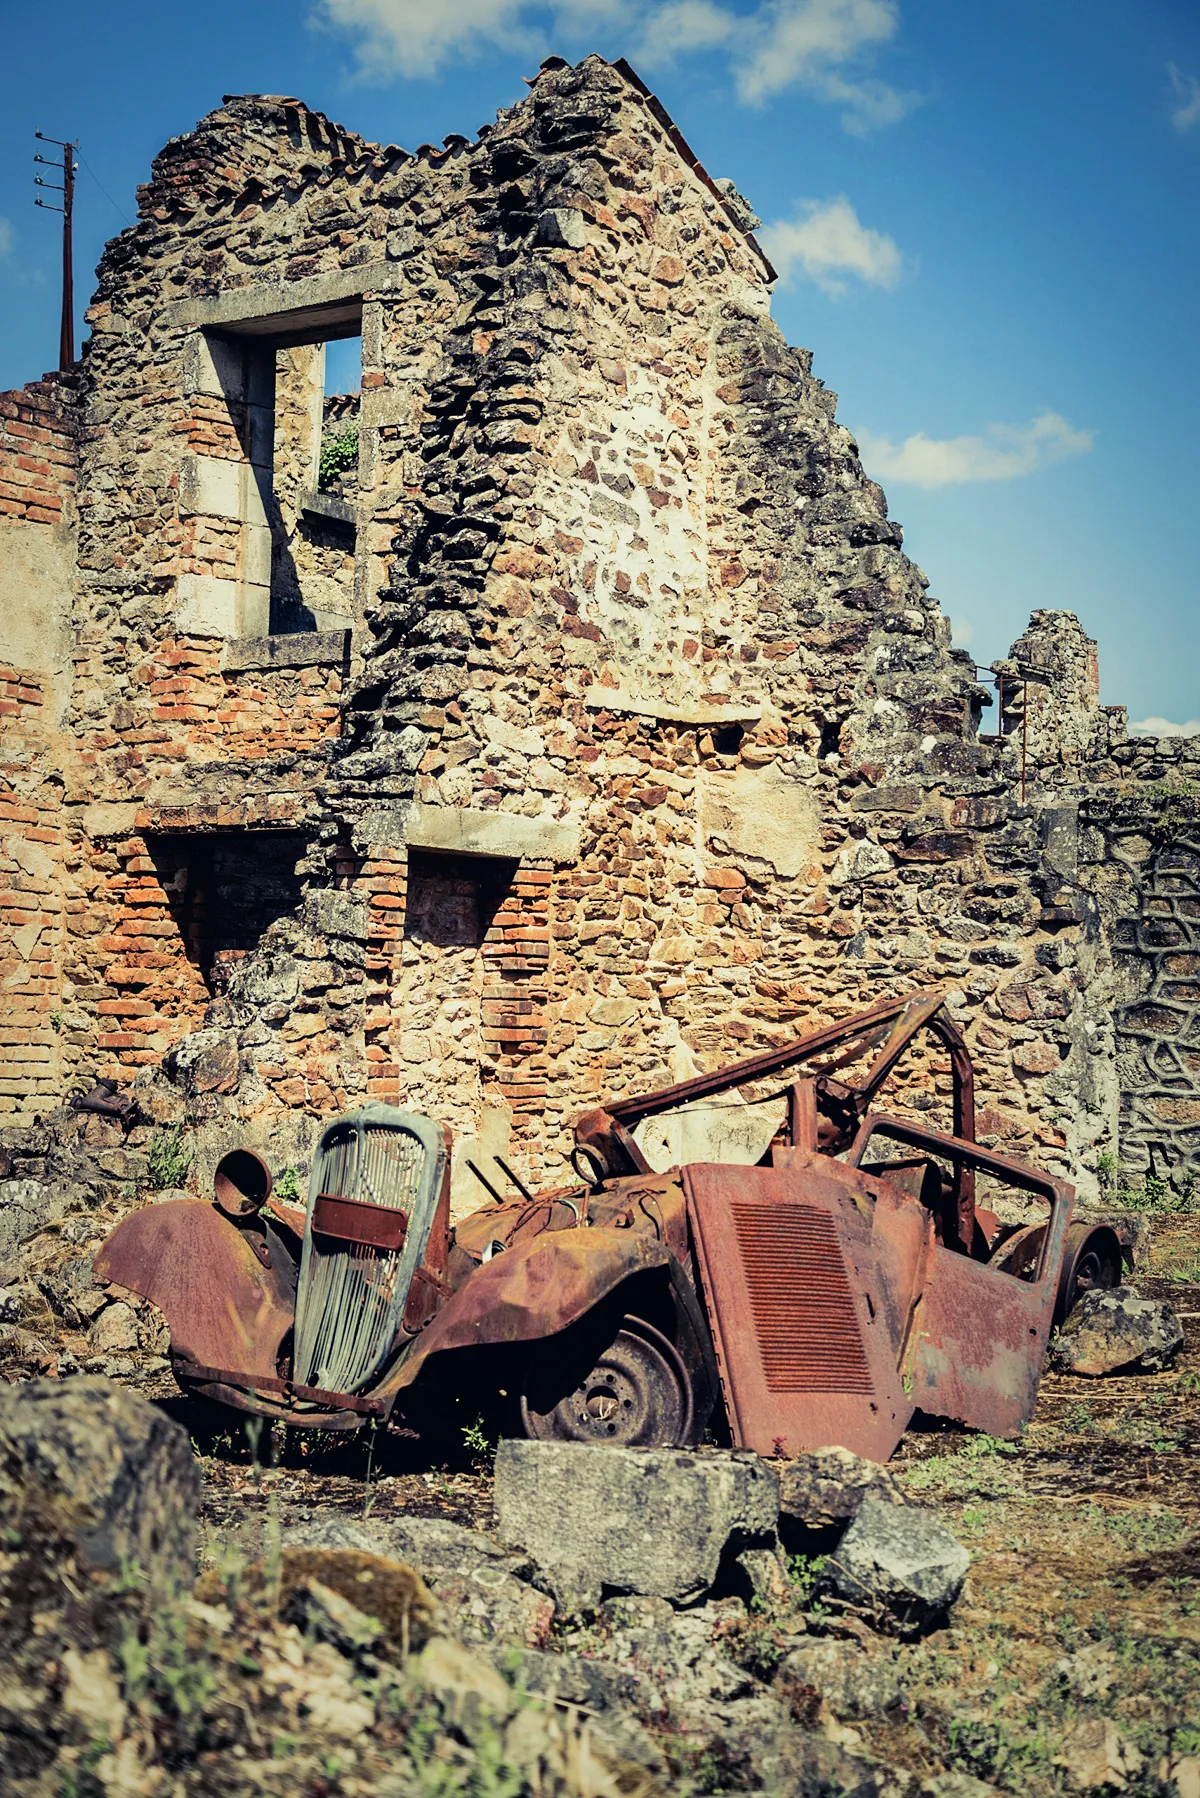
(37, 450)
(31, 904)
(384, 883)
(516, 966)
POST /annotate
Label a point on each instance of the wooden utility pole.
(66, 335)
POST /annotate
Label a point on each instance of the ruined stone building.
(573, 720)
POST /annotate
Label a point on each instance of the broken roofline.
(350, 149)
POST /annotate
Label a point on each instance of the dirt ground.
(1072, 1661)
(1074, 1654)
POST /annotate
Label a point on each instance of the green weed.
(169, 1159)
(287, 1187)
(339, 452)
(475, 1439)
(979, 1469)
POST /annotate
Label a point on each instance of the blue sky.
(984, 212)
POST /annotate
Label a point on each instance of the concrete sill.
(299, 649)
(329, 508)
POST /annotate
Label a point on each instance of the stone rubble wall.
(1119, 821)
(649, 747)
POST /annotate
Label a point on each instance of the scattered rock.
(900, 1562)
(829, 1485)
(334, 1531)
(488, 1606)
(1095, 1755)
(115, 1329)
(766, 1575)
(482, 1589)
(323, 1613)
(607, 1691)
(25, 1205)
(96, 1486)
(1117, 1331)
(435, 1545)
(1088, 1673)
(381, 1590)
(652, 1521)
(852, 1682)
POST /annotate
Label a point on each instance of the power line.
(95, 177)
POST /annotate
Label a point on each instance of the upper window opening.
(315, 485)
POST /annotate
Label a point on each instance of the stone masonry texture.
(591, 730)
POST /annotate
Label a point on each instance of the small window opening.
(224, 889)
(727, 740)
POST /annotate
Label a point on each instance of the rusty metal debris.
(822, 1296)
(107, 1101)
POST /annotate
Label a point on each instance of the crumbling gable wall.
(647, 744)
(642, 590)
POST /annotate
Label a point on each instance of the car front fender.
(529, 1292)
(223, 1306)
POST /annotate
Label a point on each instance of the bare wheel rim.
(636, 1395)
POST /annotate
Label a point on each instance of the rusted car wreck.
(848, 1279)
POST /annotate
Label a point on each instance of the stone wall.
(630, 740)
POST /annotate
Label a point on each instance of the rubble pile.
(362, 1645)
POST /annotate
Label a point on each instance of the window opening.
(224, 889)
(314, 501)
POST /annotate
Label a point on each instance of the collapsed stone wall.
(646, 744)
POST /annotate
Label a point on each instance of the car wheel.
(636, 1393)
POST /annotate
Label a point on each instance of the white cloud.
(829, 243)
(8, 237)
(680, 26)
(419, 37)
(1162, 727)
(812, 44)
(1185, 115)
(805, 43)
(962, 633)
(1006, 452)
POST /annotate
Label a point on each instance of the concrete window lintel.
(508, 835)
(314, 309)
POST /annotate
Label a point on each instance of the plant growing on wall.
(169, 1159)
(339, 452)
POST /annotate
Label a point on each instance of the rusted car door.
(977, 1344)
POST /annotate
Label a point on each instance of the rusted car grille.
(804, 1316)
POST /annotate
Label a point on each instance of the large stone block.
(650, 1521)
(899, 1562)
(1118, 1329)
(99, 1492)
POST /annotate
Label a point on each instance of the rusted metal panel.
(353, 1220)
(223, 1306)
(792, 1284)
(531, 1291)
(978, 1344)
(255, 1384)
(978, 1339)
